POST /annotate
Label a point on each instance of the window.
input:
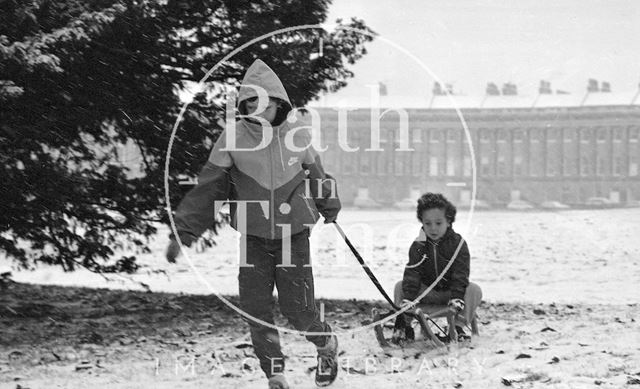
(355, 137)
(435, 136)
(348, 168)
(633, 134)
(485, 167)
(433, 166)
(617, 166)
(382, 162)
(618, 134)
(554, 152)
(568, 135)
(451, 167)
(535, 136)
(348, 162)
(466, 166)
(391, 162)
(633, 166)
(336, 160)
(399, 137)
(602, 135)
(585, 135)
(584, 166)
(364, 163)
(570, 165)
(417, 135)
(517, 166)
(399, 163)
(329, 165)
(485, 136)
(385, 135)
(551, 168)
(502, 166)
(416, 167)
(518, 136)
(452, 135)
(536, 153)
(502, 136)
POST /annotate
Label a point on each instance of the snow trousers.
(472, 299)
(268, 265)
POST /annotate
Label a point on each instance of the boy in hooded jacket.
(278, 189)
(436, 245)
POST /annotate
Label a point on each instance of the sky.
(471, 42)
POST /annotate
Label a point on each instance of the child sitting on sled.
(436, 245)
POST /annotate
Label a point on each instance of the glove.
(409, 304)
(330, 219)
(456, 305)
(173, 251)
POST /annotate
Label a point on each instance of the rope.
(373, 278)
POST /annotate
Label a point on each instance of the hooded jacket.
(291, 184)
(427, 259)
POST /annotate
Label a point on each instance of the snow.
(573, 256)
(560, 311)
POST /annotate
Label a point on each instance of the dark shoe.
(443, 338)
(462, 336)
(402, 330)
(327, 369)
(399, 336)
(278, 382)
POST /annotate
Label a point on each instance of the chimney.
(545, 88)
(492, 89)
(437, 89)
(509, 89)
(383, 89)
(449, 88)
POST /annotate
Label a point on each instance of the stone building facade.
(565, 154)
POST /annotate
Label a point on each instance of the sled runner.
(422, 314)
(398, 338)
(437, 311)
(376, 318)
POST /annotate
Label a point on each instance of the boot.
(327, 369)
(462, 336)
(278, 381)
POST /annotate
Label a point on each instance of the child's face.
(434, 223)
(269, 113)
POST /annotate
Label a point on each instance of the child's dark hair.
(436, 200)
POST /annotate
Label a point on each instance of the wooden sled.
(423, 313)
(427, 333)
(439, 311)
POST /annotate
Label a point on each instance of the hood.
(259, 74)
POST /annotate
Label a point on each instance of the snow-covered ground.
(55, 337)
(560, 311)
(574, 256)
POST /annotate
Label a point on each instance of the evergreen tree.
(79, 79)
